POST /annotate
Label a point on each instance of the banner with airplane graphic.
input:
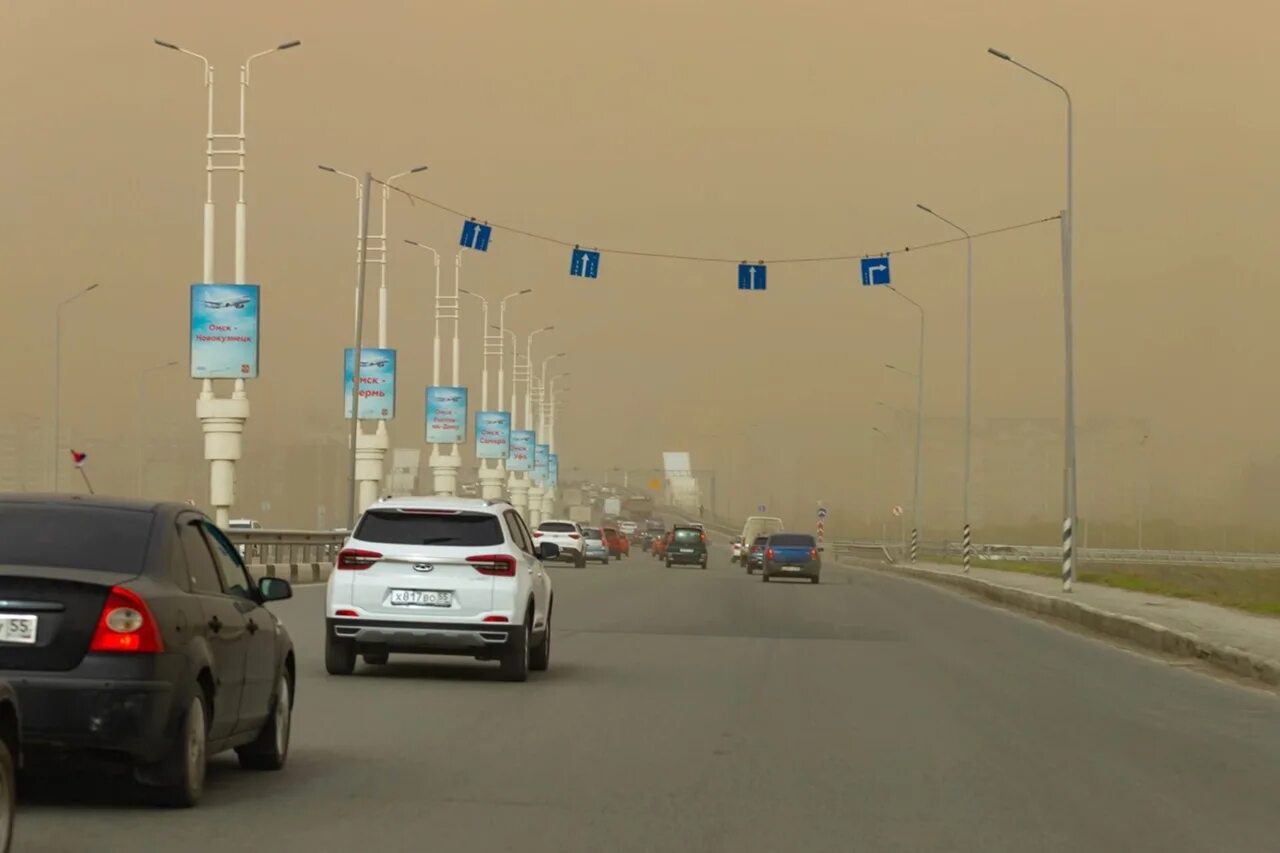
(377, 383)
(224, 331)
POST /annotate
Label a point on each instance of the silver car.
(597, 548)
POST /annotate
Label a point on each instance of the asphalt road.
(690, 710)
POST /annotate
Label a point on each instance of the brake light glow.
(496, 619)
(356, 559)
(813, 553)
(126, 625)
(537, 534)
(768, 554)
(496, 565)
(574, 536)
(345, 612)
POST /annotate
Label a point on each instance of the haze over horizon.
(690, 129)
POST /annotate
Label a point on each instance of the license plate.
(686, 550)
(17, 629)
(791, 568)
(422, 597)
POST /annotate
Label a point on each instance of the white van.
(757, 525)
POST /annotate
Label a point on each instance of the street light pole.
(1069, 451)
(57, 380)
(537, 492)
(917, 531)
(142, 380)
(968, 377)
(223, 419)
(357, 345)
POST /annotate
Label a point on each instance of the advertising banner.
(377, 383)
(553, 470)
(521, 456)
(493, 435)
(224, 331)
(446, 415)
(541, 452)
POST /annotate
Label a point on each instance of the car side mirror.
(820, 550)
(275, 589)
(548, 550)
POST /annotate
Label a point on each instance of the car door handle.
(252, 627)
(215, 624)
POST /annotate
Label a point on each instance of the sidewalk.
(1242, 643)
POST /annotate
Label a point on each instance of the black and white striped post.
(915, 544)
(1068, 555)
(968, 548)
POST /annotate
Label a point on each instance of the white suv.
(440, 575)
(567, 536)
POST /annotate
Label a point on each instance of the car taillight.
(813, 553)
(356, 559)
(574, 536)
(126, 625)
(537, 533)
(496, 619)
(768, 555)
(345, 612)
(500, 565)
(703, 537)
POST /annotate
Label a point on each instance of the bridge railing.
(894, 551)
(300, 556)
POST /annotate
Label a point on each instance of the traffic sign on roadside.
(475, 235)
(585, 263)
(751, 276)
(897, 510)
(875, 271)
(822, 512)
(760, 508)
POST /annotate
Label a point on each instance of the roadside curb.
(1130, 629)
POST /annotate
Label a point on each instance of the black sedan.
(133, 629)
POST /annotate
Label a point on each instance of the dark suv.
(688, 546)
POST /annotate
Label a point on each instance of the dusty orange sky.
(726, 128)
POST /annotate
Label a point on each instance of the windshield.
(450, 530)
(101, 539)
(687, 535)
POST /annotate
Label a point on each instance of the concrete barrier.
(1129, 629)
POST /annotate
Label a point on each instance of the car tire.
(764, 575)
(540, 657)
(813, 579)
(668, 564)
(704, 564)
(339, 655)
(182, 771)
(377, 659)
(581, 561)
(605, 561)
(271, 749)
(515, 659)
(8, 794)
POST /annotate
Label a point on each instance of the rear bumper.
(689, 559)
(792, 570)
(107, 704)
(423, 637)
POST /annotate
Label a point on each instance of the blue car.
(791, 555)
(755, 554)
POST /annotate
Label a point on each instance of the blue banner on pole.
(553, 470)
(475, 235)
(446, 415)
(585, 263)
(752, 276)
(521, 456)
(493, 435)
(224, 331)
(377, 383)
(541, 453)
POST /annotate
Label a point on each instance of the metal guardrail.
(1050, 553)
(299, 555)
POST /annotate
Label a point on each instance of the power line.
(639, 253)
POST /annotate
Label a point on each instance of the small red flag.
(79, 458)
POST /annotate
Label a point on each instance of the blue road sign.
(585, 263)
(751, 277)
(875, 271)
(760, 508)
(475, 235)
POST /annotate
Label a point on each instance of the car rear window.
(449, 530)
(99, 539)
(687, 535)
(591, 532)
(556, 527)
(797, 540)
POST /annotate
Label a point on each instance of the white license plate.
(422, 597)
(686, 550)
(17, 629)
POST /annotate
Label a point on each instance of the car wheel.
(377, 659)
(515, 660)
(271, 749)
(540, 659)
(8, 795)
(668, 564)
(605, 561)
(339, 656)
(182, 770)
(813, 579)
(704, 564)
(581, 561)
(764, 575)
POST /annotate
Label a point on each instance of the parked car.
(619, 545)
(791, 555)
(567, 536)
(735, 546)
(596, 544)
(132, 629)
(688, 546)
(754, 558)
(441, 575)
(759, 525)
(10, 760)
